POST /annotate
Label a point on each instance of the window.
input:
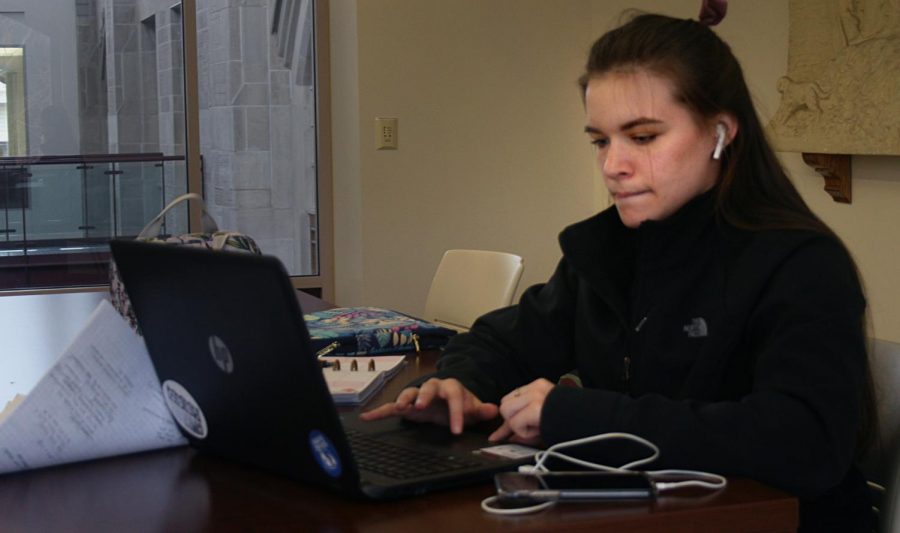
(257, 111)
(111, 108)
(12, 101)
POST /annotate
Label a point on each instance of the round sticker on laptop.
(325, 453)
(221, 354)
(184, 409)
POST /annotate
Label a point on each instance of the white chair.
(883, 464)
(890, 506)
(469, 283)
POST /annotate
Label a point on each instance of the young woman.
(710, 312)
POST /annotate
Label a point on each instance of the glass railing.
(58, 213)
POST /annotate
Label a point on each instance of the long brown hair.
(753, 191)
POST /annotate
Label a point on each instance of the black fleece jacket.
(736, 352)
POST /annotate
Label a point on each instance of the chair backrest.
(469, 283)
(890, 504)
(885, 362)
(882, 466)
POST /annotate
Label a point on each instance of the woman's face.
(654, 154)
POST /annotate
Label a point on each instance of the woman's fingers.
(526, 424)
(405, 399)
(482, 411)
(439, 401)
(523, 428)
(521, 411)
(453, 394)
(501, 433)
(426, 393)
(514, 402)
(398, 407)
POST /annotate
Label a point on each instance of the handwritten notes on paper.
(100, 398)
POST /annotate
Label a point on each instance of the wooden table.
(179, 490)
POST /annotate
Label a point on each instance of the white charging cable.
(486, 504)
(704, 480)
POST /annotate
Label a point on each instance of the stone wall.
(258, 123)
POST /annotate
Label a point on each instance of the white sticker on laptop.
(510, 451)
(325, 453)
(184, 409)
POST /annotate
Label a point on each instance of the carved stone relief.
(841, 94)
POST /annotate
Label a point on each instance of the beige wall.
(491, 150)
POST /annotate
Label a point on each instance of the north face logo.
(697, 328)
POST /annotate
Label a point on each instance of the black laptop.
(227, 338)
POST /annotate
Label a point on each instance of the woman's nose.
(615, 161)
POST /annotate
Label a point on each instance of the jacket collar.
(606, 254)
(665, 243)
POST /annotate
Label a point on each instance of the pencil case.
(372, 330)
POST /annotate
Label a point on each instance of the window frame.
(321, 283)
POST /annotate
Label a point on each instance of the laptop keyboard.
(401, 462)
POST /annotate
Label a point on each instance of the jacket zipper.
(626, 361)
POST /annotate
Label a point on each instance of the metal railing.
(58, 213)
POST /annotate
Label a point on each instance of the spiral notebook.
(353, 380)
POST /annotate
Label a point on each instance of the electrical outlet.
(385, 133)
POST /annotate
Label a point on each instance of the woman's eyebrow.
(643, 121)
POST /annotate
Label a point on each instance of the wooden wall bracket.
(835, 168)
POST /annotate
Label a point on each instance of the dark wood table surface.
(179, 490)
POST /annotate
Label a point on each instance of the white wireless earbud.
(720, 141)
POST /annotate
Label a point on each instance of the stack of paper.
(10, 405)
(356, 379)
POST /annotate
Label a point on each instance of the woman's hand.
(521, 410)
(439, 401)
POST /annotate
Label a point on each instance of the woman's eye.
(643, 139)
(600, 143)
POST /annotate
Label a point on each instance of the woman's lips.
(627, 195)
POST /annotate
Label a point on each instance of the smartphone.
(574, 486)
